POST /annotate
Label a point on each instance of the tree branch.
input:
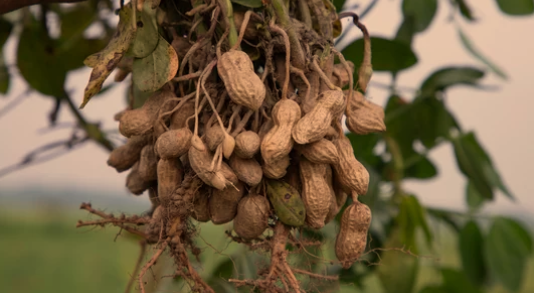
(10, 5)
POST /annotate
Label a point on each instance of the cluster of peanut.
(262, 154)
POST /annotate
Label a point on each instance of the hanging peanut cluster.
(241, 126)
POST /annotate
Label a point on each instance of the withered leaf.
(152, 72)
(106, 60)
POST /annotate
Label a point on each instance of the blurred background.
(42, 251)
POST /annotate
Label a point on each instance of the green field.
(42, 251)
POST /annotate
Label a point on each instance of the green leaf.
(445, 216)
(152, 72)
(287, 203)
(470, 242)
(423, 169)
(74, 57)
(249, 3)
(106, 60)
(434, 121)
(5, 31)
(434, 289)
(75, 21)
(400, 123)
(507, 248)
(339, 5)
(146, 37)
(465, 10)
(38, 60)
(415, 217)
(475, 163)
(387, 55)
(516, 7)
(473, 198)
(471, 49)
(472, 165)
(5, 78)
(422, 12)
(406, 30)
(455, 281)
(446, 77)
(397, 271)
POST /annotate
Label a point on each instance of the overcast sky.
(501, 118)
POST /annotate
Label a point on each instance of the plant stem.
(305, 13)
(229, 12)
(283, 18)
(92, 130)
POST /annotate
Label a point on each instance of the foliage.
(493, 252)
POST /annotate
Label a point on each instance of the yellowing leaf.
(146, 37)
(152, 72)
(106, 60)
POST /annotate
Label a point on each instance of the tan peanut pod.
(135, 184)
(221, 210)
(309, 103)
(201, 210)
(179, 118)
(252, 216)
(148, 164)
(363, 116)
(139, 121)
(276, 169)
(247, 144)
(278, 142)
(247, 170)
(201, 160)
(214, 137)
(264, 129)
(241, 82)
(350, 173)
(125, 156)
(315, 192)
(159, 128)
(314, 125)
(228, 146)
(320, 152)
(153, 196)
(174, 143)
(352, 237)
(135, 122)
(170, 176)
(338, 198)
(340, 76)
(231, 193)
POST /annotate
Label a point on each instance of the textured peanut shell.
(340, 76)
(221, 210)
(214, 137)
(276, 169)
(350, 173)
(252, 216)
(174, 143)
(352, 237)
(201, 210)
(200, 161)
(365, 118)
(247, 170)
(135, 122)
(241, 82)
(170, 175)
(179, 118)
(278, 142)
(315, 192)
(140, 121)
(148, 163)
(314, 125)
(231, 193)
(321, 152)
(338, 196)
(247, 144)
(135, 184)
(265, 128)
(125, 156)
